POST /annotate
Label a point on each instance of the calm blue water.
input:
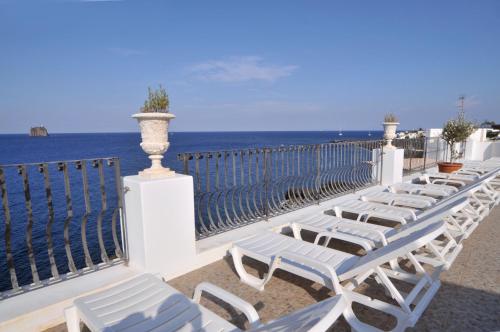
(24, 149)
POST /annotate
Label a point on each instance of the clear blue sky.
(84, 66)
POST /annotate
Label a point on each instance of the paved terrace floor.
(468, 300)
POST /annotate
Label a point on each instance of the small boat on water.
(340, 132)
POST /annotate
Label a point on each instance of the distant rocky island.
(38, 131)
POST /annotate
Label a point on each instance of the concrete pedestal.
(160, 224)
(388, 165)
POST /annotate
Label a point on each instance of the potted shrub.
(390, 124)
(154, 119)
(455, 131)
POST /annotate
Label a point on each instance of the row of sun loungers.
(401, 229)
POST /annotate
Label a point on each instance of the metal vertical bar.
(69, 216)
(48, 229)
(207, 171)
(425, 153)
(119, 252)
(185, 162)
(265, 177)
(7, 232)
(437, 150)
(82, 165)
(104, 207)
(381, 162)
(242, 168)
(29, 227)
(411, 152)
(217, 179)
(233, 163)
(225, 169)
(197, 171)
(318, 172)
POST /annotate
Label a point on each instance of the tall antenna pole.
(461, 101)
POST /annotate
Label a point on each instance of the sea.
(21, 149)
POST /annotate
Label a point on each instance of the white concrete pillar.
(388, 165)
(160, 224)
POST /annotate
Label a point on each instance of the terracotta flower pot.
(449, 167)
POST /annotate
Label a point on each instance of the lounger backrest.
(397, 248)
(437, 212)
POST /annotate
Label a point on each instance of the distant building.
(411, 134)
(39, 131)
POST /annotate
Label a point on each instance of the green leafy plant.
(389, 117)
(157, 101)
(455, 131)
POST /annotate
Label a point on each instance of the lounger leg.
(72, 319)
(358, 326)
(244, 276)
(296, 231)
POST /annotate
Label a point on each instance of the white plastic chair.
(146, 303)
(329, 267)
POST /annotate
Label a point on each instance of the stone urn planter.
(445, 167)
(154, 134)
(390, 134)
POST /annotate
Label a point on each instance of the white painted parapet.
(160, 224)
(388, 165)
(478, 147)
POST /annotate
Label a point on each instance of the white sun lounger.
(434, 190)
(329, 267)
(402, 200)
(370, 236)
(483, 190)
(366, 210)
(448, 179)
(146, 303)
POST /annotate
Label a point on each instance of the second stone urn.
(154, 134)
(390, 134)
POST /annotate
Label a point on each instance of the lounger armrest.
(467, 172)
(410, 211)
(447, 181)
(339, 234)
(400, 220)
(240, 304)
(344, 237)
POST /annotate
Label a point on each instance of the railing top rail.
(58, 162)
(277, 148)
